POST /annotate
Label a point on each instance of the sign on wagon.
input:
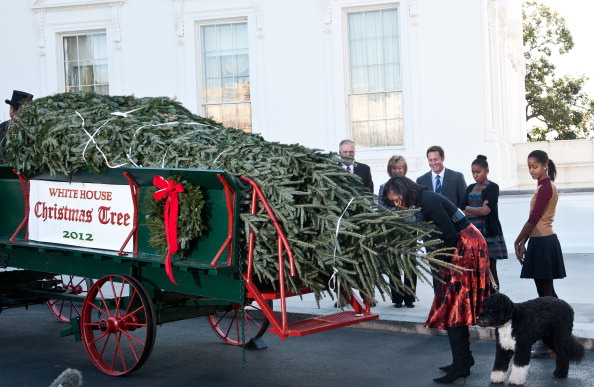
(99, 216)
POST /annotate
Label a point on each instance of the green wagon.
(113, 288)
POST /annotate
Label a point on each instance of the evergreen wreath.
(191, 224)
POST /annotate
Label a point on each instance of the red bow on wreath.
(169, 189)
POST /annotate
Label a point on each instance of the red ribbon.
(169, 189)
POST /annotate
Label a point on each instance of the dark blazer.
(3, 128)
(364, 172)
(453, 185)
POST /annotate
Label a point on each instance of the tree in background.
(564, 111)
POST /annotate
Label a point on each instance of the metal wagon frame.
(132, 293)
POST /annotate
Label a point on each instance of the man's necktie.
(348, 168)
(438, 184)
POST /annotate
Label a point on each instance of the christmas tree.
(333, 225)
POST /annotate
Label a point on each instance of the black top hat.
(19, 98)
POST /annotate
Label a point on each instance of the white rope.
(334, 281)
(174, 141)
(91, 138)
(125, 114)
(128, 155)
(216, 158)
(222, 153)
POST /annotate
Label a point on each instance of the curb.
(417, 328)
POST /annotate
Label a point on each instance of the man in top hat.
(19, 98)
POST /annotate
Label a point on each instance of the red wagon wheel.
(227, 325)
(64, 310)
(118, 324)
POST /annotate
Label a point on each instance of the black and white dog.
(521, 325)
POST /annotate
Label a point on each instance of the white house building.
(394, 76)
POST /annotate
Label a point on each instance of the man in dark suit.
(447, 182)
(19, 98)
(346, 149)
(440, 179)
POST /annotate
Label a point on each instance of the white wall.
(20, 62)
(294, 87)
(460, 70)
(146, 62)
(574, 161)
(464, 77)
(573, 219)
(445, 98)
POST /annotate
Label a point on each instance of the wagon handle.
(282, 243)
(24, 180)
(230, 199)
(135, 192)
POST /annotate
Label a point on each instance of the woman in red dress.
(459, 298)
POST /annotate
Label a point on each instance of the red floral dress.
(459, 299)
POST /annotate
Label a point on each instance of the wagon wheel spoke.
(131, 345)
(120, 338)
(235, 324)
(217, 319)
(103, 307)
(252, 322)
(64, 310)
(227, 325)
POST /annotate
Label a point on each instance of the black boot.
(470, 364)
(459, 344)
(469, 358)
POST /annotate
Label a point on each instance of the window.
(85, 63)
(226, 74)
(375, 90)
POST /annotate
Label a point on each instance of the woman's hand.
(520, 242)
(520, 251)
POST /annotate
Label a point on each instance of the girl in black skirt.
(543, 259)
